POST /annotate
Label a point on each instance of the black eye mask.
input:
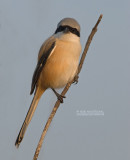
(72, 30)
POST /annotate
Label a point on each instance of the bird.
(57, 65)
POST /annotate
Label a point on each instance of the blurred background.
(93, 123)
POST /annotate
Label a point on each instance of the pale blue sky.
(104, 83)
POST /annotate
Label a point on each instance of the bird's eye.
(73, 30)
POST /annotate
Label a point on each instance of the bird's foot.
(76, 79)
(59, 96)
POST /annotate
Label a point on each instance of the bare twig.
(57, 104)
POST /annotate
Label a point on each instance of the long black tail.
(29, 116)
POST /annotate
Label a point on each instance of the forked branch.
(57, 104)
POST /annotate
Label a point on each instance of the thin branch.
(57, 104)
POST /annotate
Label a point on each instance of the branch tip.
(101, 15)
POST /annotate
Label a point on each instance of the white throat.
(66, 37)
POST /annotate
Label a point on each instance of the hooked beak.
(66, 30)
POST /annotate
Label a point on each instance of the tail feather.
(29, 116)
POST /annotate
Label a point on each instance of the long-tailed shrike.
(57, 65)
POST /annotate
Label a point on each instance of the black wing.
(39, 67)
